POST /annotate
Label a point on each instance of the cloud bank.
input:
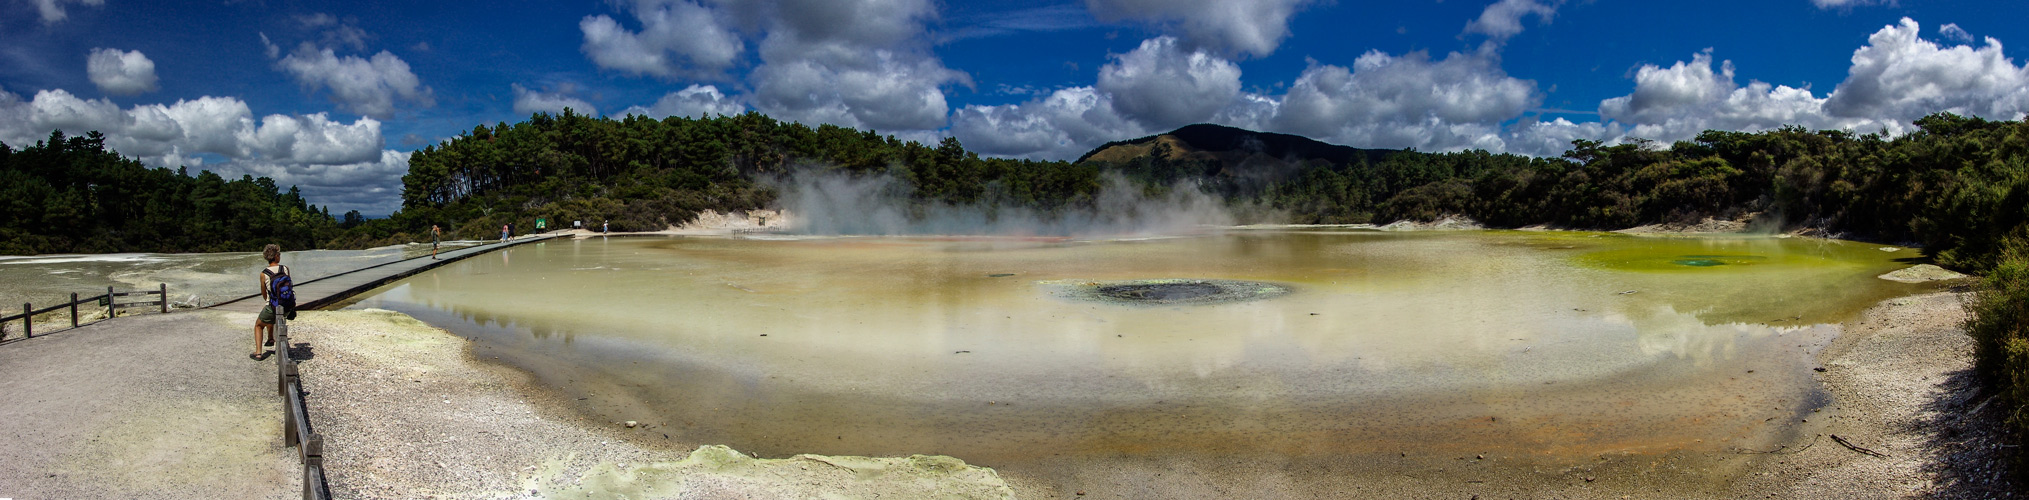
(339, 164)
(1465, 100)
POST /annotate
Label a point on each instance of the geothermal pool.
(1332, 342)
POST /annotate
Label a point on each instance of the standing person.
(265, 324)
(603, 229)
(503, 233)
(434, 236)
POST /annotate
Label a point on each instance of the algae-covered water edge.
(1552, 346)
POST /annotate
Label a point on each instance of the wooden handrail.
(296, 429)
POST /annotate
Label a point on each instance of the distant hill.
(1231, 162)
(1232, 146)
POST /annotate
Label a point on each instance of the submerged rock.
(1922, 273)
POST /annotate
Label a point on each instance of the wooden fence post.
(27, 322)
(109, 302)
(163, 293)
(73, 309)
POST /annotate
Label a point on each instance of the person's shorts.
(268, 314)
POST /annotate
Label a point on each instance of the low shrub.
(1999, 325)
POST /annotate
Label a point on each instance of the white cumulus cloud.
(695, 101)
(1060, 126)
(1164, 86)
(1229, 27)
(368, 86)
(121, 72)
(184, 133)
(1678, 102)
(853, 63)
(1955, 33)
(1390, 101)
(373, 187)
(1841, 4)
(1382, 101)
(1895, 79)
(52, 10)
(529, 102)
(1503, 19)
(1535, 137)
(677, 38)
(1901, 77)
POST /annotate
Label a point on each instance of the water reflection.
(1543, 342)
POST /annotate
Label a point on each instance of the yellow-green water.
(1544, 344)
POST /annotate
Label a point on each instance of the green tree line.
(643, 174)
(1957, 186)
(72, 195)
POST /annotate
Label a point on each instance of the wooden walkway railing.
(111, 300)
(296, 430)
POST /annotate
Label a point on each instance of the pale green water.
(1544, 344)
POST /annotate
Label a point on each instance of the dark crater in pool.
(1173, 291)
(1161, 292)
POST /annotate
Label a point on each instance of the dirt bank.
(1901, 383)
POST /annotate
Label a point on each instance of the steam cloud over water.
(840, 204)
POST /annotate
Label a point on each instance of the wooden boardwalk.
(331, 289)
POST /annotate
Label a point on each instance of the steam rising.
(839, 204)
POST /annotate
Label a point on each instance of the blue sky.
(334, 96)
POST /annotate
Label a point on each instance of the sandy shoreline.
(411, 409)
(1900, 378)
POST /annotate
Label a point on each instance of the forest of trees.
(1957, 187)
(72, 195)
(644, 174)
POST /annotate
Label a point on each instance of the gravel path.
(149, 406)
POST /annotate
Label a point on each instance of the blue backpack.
(282, 293)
